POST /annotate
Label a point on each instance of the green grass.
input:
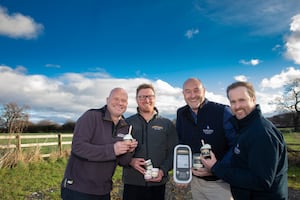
(39, 178)
(293, 140)
(24, 180)
(44, 177)
(294, 177)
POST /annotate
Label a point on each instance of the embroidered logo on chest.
(208, 131)
(120, 135)
(157, 128)
(236, 149)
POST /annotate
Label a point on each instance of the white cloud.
(295, 25)
(216, 98)
(264, 99)
(190, 33)
(240, 78)
(278, 80)
(17, 25)
(252, 62)
(293, 40)
(169, 98)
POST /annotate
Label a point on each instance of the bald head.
(117, 90)
(192, 80)
(117, 102)
(194, 93)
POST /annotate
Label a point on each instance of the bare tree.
(290, 101)
(15, 118)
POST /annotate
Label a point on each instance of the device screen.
(182, 161)
(183, 158)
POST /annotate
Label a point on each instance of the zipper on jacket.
(146, 136)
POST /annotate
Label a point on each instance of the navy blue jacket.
(212, 126)
(259, 162)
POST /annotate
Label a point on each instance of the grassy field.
(293, 140)
(38, 179)
(41, 179)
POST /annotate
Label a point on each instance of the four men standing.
(247, 151)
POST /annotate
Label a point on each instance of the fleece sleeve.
(254, 171)
(172, 142)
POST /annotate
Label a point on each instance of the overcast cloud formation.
(66, 97)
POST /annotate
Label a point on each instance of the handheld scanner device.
(182, 172)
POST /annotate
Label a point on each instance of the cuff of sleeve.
(214, 168)
(164, 170)
(218, 169)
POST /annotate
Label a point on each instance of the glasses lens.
(144, 97)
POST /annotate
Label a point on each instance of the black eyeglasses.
(144, 97)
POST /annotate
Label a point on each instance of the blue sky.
(63, 57)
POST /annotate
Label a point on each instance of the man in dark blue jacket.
(204, 120)
(259, 164)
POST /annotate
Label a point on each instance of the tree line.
(15, 119)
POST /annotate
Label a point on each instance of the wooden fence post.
(60, 144)
(19, 149)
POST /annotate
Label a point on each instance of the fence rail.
(19, 145)
(59, 143)
(291, 149)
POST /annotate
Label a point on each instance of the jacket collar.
(241, 123)
(107, 117)
(155, 112)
